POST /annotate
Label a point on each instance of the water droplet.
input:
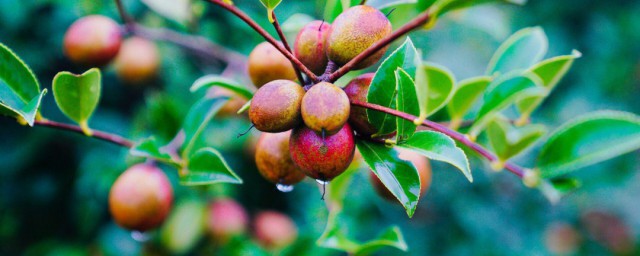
(322, 182)
(140, 236)
(284, 188)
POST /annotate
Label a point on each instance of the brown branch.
(244, 17)
(363, 2)
(128, 20)
(418, 21)
(115, 139)
(276, 25)
(515, 169)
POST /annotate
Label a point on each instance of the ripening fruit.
(92, 40)
(357, 90)
(266, 64)
(322, 159)
(561, 238)
(274, 230)
(424, 172)
(276, 106)
(235, 102)
(325, 108)
(141, 198)
(137, 61)
(353, 31)
(226, 218)
(310, 46)
(274, 160)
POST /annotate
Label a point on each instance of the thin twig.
(128, 20)
(515, 169)
(420, 20)
(244, 17)
(276, 25)
(115, 139)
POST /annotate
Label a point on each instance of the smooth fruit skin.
(92, 40)
(275, 107)
(274, 230)
(310, 46)
(274, 159)
(141, 198)
(357, 90)
(325, 108)
(266, 64)
(137, 61)
(322, 159)
(226, 218)
(353, 31)
(424, 172)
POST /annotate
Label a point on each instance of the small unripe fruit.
(424, 172)
(226, 218)
(325, 108)
(266, 64)
(141, 198)
(274, 230)
(355, 30)
(274, 160)
(137, 61)
(322, 158)
(276, 106)
(310, 46)
(92, 40)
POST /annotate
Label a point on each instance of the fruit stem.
(283, 38)
(115, 139)
(418, 21)
(513, 168)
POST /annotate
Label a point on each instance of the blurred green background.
(54, 185)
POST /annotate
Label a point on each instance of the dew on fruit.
(322, 182)
(284, 188)
(140, 236)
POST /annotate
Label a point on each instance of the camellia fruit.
(275, 107)
(310, 46)
(274, 160)
(325, 108)
(92, 40)
(266, 64)
(274, 230)
(137, 61)
(226, 218)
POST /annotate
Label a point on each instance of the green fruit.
(141, 198)
(274, 230)
(322, 158)
(355, 30)
(276, 106)
(138, 60)
(325, 108)
(274, 160)
(266, 64)
(93, 40)
(310, 46)
(424, 172)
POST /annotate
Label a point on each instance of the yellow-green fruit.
(325, 108)
(274, 159)
(266, 64)
(354, 31)
(276, 106)
(310, 46)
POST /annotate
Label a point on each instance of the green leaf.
(151, 148)
(215, 80)
(550, 71)
(185, 226)
(197, 119)
(439, 147)
(557, 188)
(270, 5)
(381, 4)
(587, 140)
(333, 237)
(502, 93)
(467, 93)
(520, 51)
(176, 10)
(391, 237)
(77, 96)
(207, 166)
(19, 89)
(508, 141)
(407, 102)
(382, 90)
(435, 86)
(443, 6)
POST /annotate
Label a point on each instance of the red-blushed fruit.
(274, 160)
(610, 231)
(235, 102)
(137, 61)
(225, 219)
(310, 46)
(357, 90)
(141, 198)
(274, 230)
(266, 64)
(275, 107)
(355, 30)
(92, 40)
(561, 238)
(322, 159)
(424, 172)
(325, 108)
